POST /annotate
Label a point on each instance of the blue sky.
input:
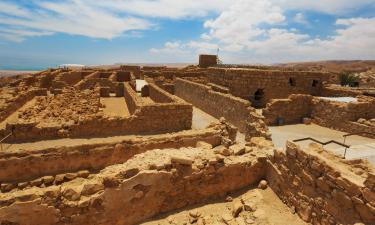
(36, 34)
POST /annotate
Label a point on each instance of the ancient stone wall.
(135, 70)
(159, 95)
(291, 110)
(322, 188)
(260, 86)
(344, 116)
(148, 184)
(131, 98)
(59, 122)
(207, 60)
(12, 104)
(338, 91)
(236, 110)
(93, 157)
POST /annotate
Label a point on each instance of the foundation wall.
(93, 157)
(291, 110)
(21, 100)
(146, 118)
(344, 116)
(159, 95)
(322, 188)
(132, 192)
(337, 115)
(237, 111)
(274, 84)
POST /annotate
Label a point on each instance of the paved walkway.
(361, 147)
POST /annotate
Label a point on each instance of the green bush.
(349, 79)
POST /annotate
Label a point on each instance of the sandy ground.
(268, 209)
(361, 147)
(201, 119)
(7, 73)
(14, 116)
(115, 106)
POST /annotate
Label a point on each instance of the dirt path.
(201, 119)
(115, 106)
(268, 209)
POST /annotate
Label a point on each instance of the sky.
(36, 34)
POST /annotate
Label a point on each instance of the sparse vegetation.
(349, 79)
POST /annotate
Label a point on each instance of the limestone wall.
(146, 118)
(207, 60)
(150, 183)
(12, 105)
(338, 91)
(159, 95)
(236, 110)
(274, 84)
(92, 157)
(322, 188)
(344, 116)
(291, 110)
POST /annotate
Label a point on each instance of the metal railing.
(4, 138)
(325, 143)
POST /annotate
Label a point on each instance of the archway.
(258, 98)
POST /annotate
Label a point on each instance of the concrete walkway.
(361, 147)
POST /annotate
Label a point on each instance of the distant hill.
(335, 66)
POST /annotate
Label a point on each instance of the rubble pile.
(70, 106)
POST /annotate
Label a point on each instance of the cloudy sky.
(41, 33)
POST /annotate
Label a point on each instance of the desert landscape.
(202, 144)
(165, 112)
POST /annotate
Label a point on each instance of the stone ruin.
(92, 146)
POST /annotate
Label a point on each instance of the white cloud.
(170, 47)
(300, 18)
(174, 9)
(334, 7)
(112, 18)
(73, 17)
(239, 24)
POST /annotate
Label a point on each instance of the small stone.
(59, 178)
(263, 184)
(182, 160)
(236, 208)
(249, 221)
(70, 176)
(7, 187)
(237, 149)
(23, 185)
(229, 198)
(195, 214)
(222, 150)
(249, 206)
(203, 145)
(226, 218)
(36, 182)
(139, 194)
(83, 173)
(292, 209)
(240, 221)
(48, 180)
(91, 188)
